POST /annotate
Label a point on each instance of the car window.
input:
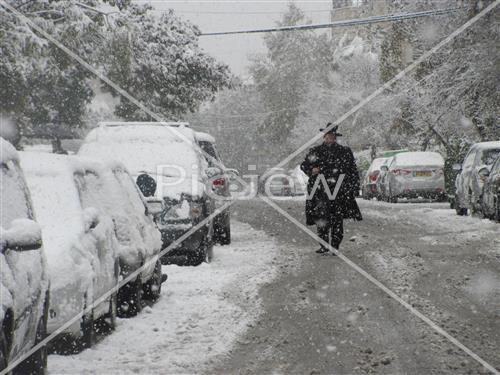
(131, 190)
(488, 157)
(91, 190)
(208, 148)
(14, 197)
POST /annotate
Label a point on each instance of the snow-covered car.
(277, 182)
(369, 186)
(79, 243)
(490, 201)
(138, 236)
(415, 174)
(23, 277)
(299, 181)
(171, 157)
(469, 183)
(382, 180)
(221, 180)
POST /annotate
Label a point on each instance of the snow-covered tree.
(159, 61)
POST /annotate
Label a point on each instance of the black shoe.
(322, 250)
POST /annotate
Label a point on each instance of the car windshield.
(489, 156)
(13, 198)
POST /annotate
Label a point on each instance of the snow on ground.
(201, 313)
(435, 217)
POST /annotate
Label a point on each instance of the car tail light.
(219, 182)
(373, 176)
(401, 172)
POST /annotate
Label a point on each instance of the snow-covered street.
(249, 187)
(201, 313)
(267, 303)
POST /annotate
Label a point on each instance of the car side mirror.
(154, 206)
(484, 172)
(457, 167)
(90, 218)
(23, 235)
(384, 168)
(213, 171)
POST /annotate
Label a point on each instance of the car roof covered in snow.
(418, 158)
(204, 137)
(138, 131)
(154, 150)
(486, 145)
(8, 152)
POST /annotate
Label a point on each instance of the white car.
(415, 174)
(138, 236)
(220, 185)
(79, 242)
(469, 183)
(170, 156)
(383, 180)
(23, 277)
(369, 187)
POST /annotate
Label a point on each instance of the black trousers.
(333, 232)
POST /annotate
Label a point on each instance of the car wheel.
(107, 323)
(37, 362)
(152, 289)
(88, 338)
(460, 211)
(224, 236)
(3, 351)
(130, 299)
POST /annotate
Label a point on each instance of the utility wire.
(341, 23)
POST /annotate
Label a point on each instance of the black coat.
(333, 161)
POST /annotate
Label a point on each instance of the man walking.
(329, 165)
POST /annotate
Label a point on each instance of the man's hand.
(315, 171)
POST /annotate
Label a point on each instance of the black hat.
(332, 130)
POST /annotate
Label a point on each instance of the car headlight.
(196, 210)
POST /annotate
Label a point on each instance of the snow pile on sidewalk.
(201, 313)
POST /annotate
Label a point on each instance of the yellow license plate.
(423, 174)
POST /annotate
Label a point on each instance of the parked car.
(369, 185)
(23, 277)
(278, 183)
(80, 245)
(469, 183)
(220, 184)
(491, 191)
(382, 180)
(413, 175)
(138, 237)
(298, 181)
(169, 155)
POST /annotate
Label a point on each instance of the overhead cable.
(343, 23)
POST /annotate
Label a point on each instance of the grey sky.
(219, 15)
